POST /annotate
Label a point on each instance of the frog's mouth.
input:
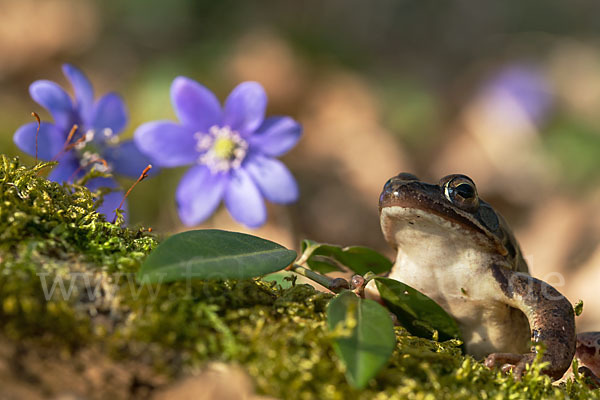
(415, 205)
(411, 227)
(416, 195)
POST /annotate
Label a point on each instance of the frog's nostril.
(392, 187)
(382, 196)
(398, 184)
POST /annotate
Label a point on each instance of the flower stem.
(143, 176)
(37, 132)
(65, 147)
(336, 285)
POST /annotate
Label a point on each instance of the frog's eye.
(461, 191)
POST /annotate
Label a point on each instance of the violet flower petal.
(110, 203)
(276, 136)
(245, 107)
(110, 200)
(126, 159)
(195, 105)
(50, 139)
(244, 201)
(273, 179)
(101, 182)
(168, 144)
(54, 99)
(63, 172)
(84, 92)
(109, 112)
(199, 193)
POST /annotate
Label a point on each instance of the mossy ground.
(50, 233)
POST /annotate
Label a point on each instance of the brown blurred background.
(506, 92)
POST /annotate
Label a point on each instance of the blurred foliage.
(576, 147)
(411, 111)
(424, 61)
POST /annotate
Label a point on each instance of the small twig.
(75, 143)
(336, 285)
(66, 147)
(37, 132)
(143, 176)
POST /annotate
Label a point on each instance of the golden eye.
(461, 191)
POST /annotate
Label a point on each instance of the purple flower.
(526, 86)
(232, 151)
(99, 123)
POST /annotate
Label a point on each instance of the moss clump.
(51, 233)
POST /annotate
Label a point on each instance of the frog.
(458, 250)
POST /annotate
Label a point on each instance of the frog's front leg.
(551, 319)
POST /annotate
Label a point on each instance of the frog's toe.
(496, 359)
(594, 380)
(588, 351)
(526, 360)
(510, 362)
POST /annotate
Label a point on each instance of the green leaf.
(213, 254)
(323, 265)
(365, 336)
(283, 279)
(419, 314)
(315, 261)
(578, 308)
(363, 259)
(326, 258)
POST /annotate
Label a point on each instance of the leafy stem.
(336, 285)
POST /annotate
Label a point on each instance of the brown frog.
(453, 247)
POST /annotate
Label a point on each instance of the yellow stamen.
(224, 148)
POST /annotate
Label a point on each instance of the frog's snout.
(390, 189)
(393, 187)
(405, 176)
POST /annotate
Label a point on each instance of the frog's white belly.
(487, 325)
(452, 268)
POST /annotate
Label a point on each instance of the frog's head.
(448, 213)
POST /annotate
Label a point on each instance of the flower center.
(89, 152)
(222, 149)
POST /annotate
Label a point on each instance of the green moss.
(51, 233)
